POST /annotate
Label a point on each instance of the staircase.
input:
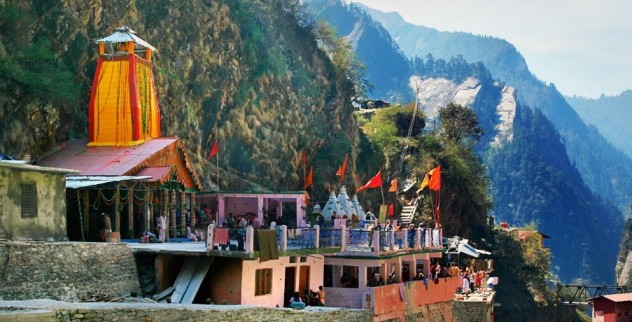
(407, 214)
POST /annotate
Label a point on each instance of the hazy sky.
(584, 47)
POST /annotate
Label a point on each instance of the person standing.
(106, 227)
(162, 228)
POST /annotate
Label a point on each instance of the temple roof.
(125, 34)
(119, 160)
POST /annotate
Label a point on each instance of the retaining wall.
(65, 271)
(80, 312)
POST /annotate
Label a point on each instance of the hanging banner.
(383, 210)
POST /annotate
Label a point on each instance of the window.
(28, 200)
(263, 281)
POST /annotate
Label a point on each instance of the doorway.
(290, 278)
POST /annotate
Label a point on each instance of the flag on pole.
(309, 179)
(425, 182)
(343, 167)
(375, 182)
(391, 210)
(435, 180)
(214, 150)
(393, 187)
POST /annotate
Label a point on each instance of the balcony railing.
(348, 240)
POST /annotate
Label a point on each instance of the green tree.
(458, 123)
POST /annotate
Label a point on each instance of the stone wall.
(65, 271)
(79, 312)
(465, 311)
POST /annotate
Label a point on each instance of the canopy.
(76, 182)
(460, 245)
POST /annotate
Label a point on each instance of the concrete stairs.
(407, 214)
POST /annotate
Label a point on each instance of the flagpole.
(382, 190)
(217, 158)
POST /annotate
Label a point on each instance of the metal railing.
(300, 238)
(330, 237)
(359, 240)
(349, 240)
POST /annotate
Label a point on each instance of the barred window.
(28, 200)
(263, 281)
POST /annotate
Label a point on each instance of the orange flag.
(393, 187)
(341, 170)
(375, 182)
(306, 198)
(214, 150)
(435, 180)
(425, 182)
(309, 179)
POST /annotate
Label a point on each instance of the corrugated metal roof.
(156, 174)
(104, 160)
(125, 34)
(76, 182)
(23, 166)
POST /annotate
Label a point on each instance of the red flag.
(435, 180)
(213, 150)
(391, 210)
(393, 187)
(309, 179)
(375, 182)
(341, 170)
(304, 160)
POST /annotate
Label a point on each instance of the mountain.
(373, 46)
(595, 157)
(532, 178)
(610, 115)
(246, 73)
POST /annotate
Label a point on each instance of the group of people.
(474, 281)
(311, 298)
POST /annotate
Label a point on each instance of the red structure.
(612, 308)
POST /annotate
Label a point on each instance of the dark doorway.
(290, 277)
(303, 281)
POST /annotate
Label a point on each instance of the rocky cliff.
(245, 73)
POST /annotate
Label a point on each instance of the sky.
(584, 47)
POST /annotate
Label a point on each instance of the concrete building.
(612, 308)
(32, 202)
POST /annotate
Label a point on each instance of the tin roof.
(157, 174)
(76, 182)
(24, 166)
(115, 160)
(125, 34)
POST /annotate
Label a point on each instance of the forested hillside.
(249, 74)
(560, 195)
(611, 115)
(604, 168)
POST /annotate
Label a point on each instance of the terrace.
(339, 239)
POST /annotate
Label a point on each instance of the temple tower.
(123, 104)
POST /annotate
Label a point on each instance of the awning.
(461, 245)
(76, 182)
(156, 174)
(466, 248)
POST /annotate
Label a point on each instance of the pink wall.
(225, 286)
(315, 262)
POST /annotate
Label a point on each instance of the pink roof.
(622, 297)
(104, 160)
(159, 174)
